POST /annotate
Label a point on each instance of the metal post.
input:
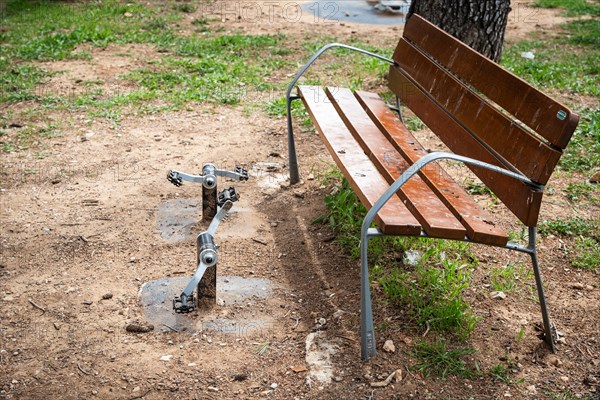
(367, 330)
(209, 193)
(207, 287)
(549, 335)
(292, 160)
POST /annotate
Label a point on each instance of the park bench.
(508, 133)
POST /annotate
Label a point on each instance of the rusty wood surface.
(526, 152)
(523, 201)
(532, 107)
(394, 218)
(436, 218)
(479, 223)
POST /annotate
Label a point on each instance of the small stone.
(139, 328)
(107, 296)
(389, 346)
(166, 357)
(578, 286)
(94, 392)
(398, 375)
(299, 193)
(192, 364)
(591, 380)
(589, 287)
(240, 377)
(532, 389)
(299, 368)
(87, 302)
(220, 302)
(311, 177)
(14, 381)
(128, 15)
(564, 378)
(338, 378)
(274, 224)
(553, 360)
(212, 389)
(497, 295)
(274, 385)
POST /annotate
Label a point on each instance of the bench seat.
(373, 148)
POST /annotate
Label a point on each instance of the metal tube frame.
(367, 331)
(292, 160)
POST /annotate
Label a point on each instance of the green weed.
(413, 123)
(582, 190)
(572, 7)
(571, 226)
(503, 372)
(431, 295)
(587, 253)
(508, 277)
(583, 152)
(435, 358)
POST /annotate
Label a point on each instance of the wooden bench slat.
(520, 148)
(430, 211)
(523, 201)
(532, 107)
(478, 222)
(394, 218)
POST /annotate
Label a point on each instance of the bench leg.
(367, 331)
(292, 160)
(548, 329)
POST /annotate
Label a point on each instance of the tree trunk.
(478, 23)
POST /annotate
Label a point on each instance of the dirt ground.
(84, 224)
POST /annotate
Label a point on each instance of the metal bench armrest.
(293, 163)
(422, 162)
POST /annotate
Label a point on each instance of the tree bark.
(478, 23)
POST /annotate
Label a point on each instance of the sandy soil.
(83, 230)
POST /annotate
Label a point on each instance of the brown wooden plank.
(430, 211)
(532, 107)
(523, 201)
(394, 218)
(479, 223)
(527, 153)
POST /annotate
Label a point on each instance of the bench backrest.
(480, 110)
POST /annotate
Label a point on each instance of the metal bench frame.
(367, 331)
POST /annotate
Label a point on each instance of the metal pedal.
(226, 195)
(174, 178)
(184, 304)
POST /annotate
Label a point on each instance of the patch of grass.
(587, 253)
(572, 226)
(184, 8)
(568, 395)
(224, 70)
(413, 123)
(18, 81)
(431, 295)
(478, 188)
(508, 277)
(555, 69)
(572, 7)
(583, 152)
(503, 372)
(437, 359)
(580, 191)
